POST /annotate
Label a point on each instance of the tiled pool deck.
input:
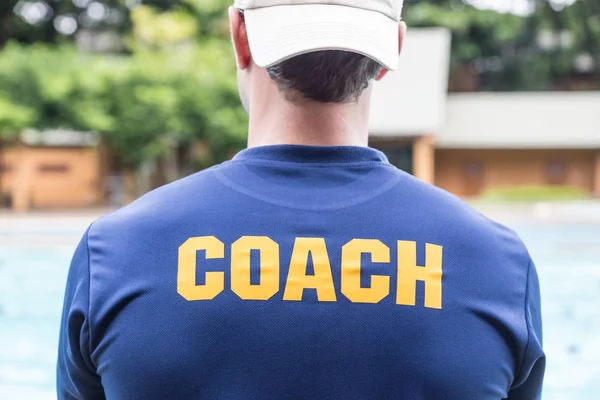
(564, 240)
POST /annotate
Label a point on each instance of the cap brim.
(281, 32)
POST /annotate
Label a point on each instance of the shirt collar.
(312, 154)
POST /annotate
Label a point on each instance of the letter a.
(297, 279)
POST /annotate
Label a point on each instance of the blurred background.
(496, 101)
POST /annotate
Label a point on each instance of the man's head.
(326, 51)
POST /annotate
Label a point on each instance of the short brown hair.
(328, 76)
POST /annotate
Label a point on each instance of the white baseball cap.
(282, 29)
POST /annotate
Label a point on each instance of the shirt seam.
(520, 370)
(89, 270)
(239, 188)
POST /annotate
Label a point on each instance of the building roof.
(59, 138)
(412, 99)
(522, 120)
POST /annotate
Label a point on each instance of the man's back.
(298, 272)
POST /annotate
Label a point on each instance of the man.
(307, 267)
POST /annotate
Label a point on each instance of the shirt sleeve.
(76, 376)
(528, 382)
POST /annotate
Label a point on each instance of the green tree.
(53, 21)
(552, 48)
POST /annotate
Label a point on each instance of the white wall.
(522, 120)
(412, 99)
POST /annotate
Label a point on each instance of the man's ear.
(239, 38)
(381, 74)
(401, 34)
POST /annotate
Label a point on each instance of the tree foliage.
(168, 90)
(554, 47)
(141, 104)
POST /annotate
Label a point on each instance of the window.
(400, 156)
(473, 169)
(53, 168)
(556, 173)
(5, 168)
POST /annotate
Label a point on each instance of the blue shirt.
(294, 273)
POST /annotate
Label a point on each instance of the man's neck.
(309, 123)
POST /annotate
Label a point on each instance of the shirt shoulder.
(446, 218)
(163, 206)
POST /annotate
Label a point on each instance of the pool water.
(35, 252)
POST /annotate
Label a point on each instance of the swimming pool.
(35, 251)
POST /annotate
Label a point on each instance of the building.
(51, 169)
(409, 105)
(468, 143)
(492, 140)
